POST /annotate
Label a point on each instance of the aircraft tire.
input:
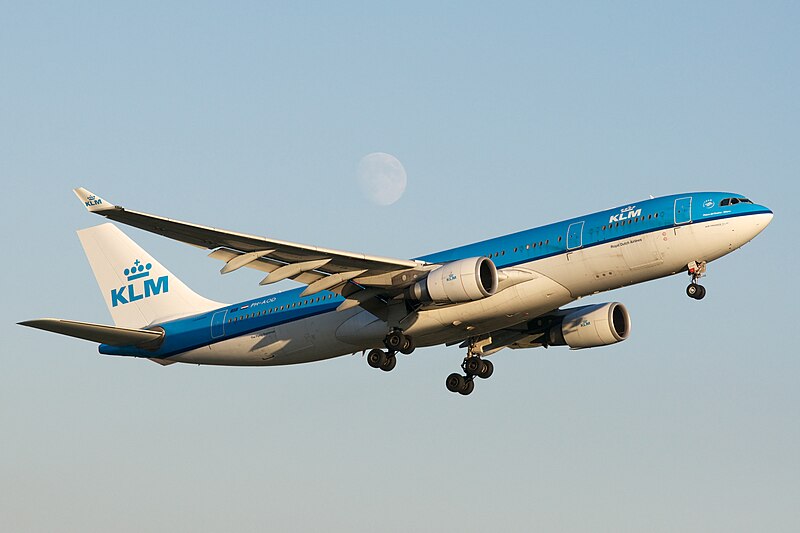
(701, 293)
(394, 340)
(391, 362)
(408, 346)
(454, 382)
(487, 370)
(473, 366)
(376, 358)
(692, 290)
(469, 386)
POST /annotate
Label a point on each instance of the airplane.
(505, 292)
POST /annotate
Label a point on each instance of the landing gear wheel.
(487, 370)
(376, 358)
(701, 293)
(455, 382)
(473, 366)
(695, 291)
(394, 340)
(408, 346)
(391, 362)
(468, 387)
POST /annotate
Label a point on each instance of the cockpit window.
(734, 201)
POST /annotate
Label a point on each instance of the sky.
(505, 116)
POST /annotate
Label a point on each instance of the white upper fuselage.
(560, 262)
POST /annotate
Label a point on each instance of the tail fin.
(137, 289)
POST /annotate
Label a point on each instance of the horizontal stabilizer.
(110, 335)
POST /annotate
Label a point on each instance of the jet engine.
(460, 281)
(590, 326)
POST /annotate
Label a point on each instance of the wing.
(529, 334)
(356, 276)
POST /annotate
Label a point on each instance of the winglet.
(92, 202)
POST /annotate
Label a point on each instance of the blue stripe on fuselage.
(522, 247)
(550, 240)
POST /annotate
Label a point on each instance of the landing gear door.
(683, 210)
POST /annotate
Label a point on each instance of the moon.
(382, 178)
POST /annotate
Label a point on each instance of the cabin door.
(575, 235)
(218, 324)
(683, 210)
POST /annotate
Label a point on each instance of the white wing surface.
(347, 273)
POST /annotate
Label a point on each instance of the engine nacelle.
(460, 281)
(590, 326)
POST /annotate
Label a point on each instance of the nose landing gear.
(696, 271)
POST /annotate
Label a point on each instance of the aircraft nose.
(761, 221)
(767, 215)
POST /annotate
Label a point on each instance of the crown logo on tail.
(137, 271)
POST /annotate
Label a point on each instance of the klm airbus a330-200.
(506, 292)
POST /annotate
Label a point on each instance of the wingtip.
(91, 201)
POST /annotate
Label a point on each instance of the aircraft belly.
(301, 341)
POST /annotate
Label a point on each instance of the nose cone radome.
(760, 221)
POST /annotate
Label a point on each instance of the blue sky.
(253, 116)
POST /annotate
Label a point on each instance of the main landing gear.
(395, 341)
(696, 271)
(473, 367)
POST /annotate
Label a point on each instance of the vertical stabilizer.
(137, 289)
